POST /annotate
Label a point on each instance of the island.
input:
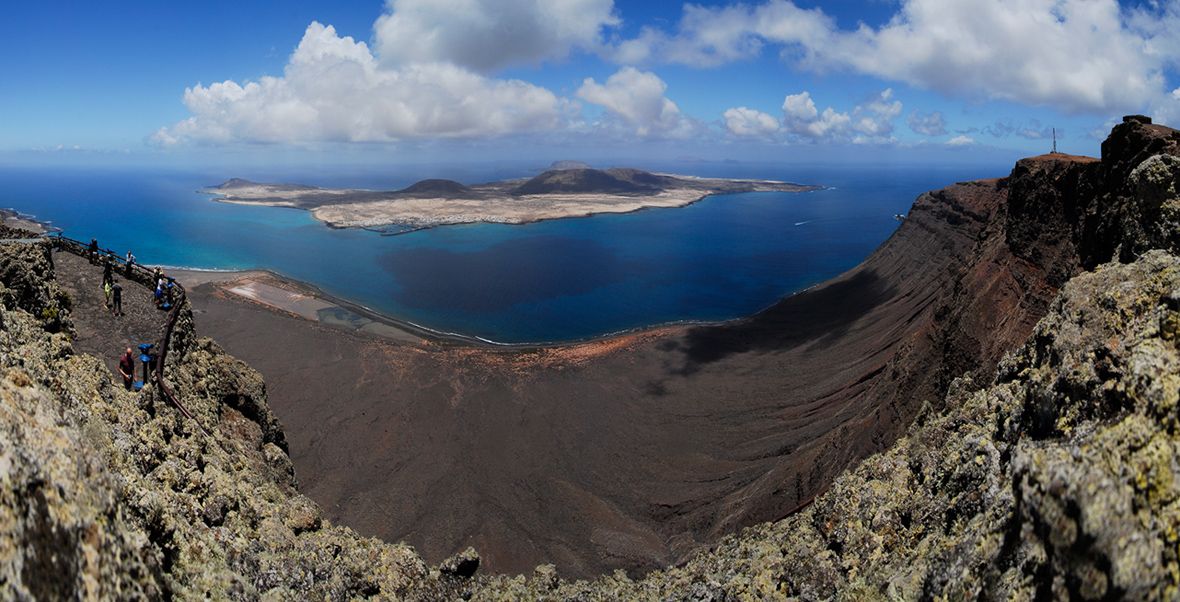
(566, 190)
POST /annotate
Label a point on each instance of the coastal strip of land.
(298, 299)
(14, 219)
(555, 194)
(279, 294)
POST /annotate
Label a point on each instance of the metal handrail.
(82, 249)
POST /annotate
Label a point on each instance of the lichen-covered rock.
(22, 273)
(1154, 217)
(109, 494)
(1058, 480)
(463, 564)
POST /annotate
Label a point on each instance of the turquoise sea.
(724, 257)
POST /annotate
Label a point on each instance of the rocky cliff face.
(106, 494)
(1051, 475)
(1055, 481)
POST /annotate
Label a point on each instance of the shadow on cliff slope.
(823, 316)
(636, 452)
(1056, 481)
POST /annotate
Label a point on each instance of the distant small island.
(568, 190)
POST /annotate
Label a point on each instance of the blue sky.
(419, 80)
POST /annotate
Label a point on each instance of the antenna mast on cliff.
(1054, 140)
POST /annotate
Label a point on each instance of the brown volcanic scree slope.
(1053, 477)
(633, 452)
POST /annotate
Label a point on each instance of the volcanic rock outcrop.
(436, 188)
(107, 494)
(619, 180)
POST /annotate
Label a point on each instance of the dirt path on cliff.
(99, 332)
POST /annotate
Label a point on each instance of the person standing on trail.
(93, 251)
(130, 262)
(127, 368)
(117, 299)
(107, 290)
(107, 276)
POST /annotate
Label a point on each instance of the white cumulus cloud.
(799, 107)
(874, 119)
(334, 89)
(927, 124)
(871, 121)
(961, 140)
(484, 35)
(1075, 55)
(637, 98)
(743, 121)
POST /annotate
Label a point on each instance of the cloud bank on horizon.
(436, 69)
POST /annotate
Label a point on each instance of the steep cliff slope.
(638, 451)
(1053, 476)
(105, 494)
(1056, 481)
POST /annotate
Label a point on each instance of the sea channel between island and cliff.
(554, 281)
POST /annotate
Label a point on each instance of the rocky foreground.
(1053, 476)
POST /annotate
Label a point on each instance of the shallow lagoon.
(724, 257)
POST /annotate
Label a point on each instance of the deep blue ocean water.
(724, 257)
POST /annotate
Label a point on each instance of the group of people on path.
(163, 292)
(113, 292)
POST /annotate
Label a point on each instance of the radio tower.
(1054, 141)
